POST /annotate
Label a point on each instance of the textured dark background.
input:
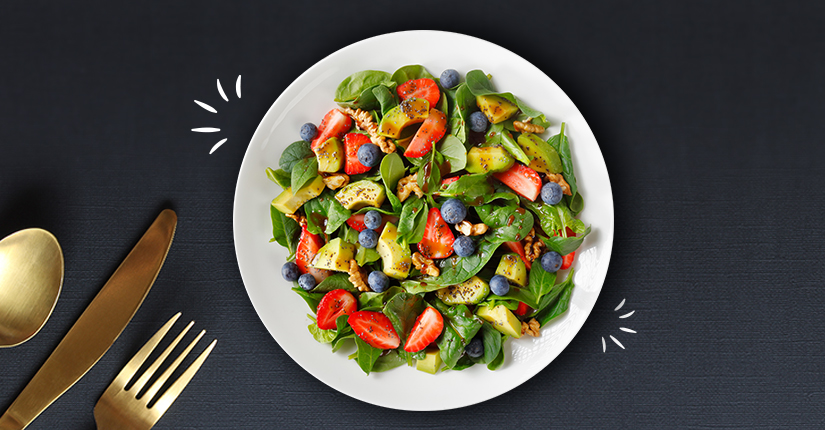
(709, 115)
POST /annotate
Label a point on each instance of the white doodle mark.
(624, 329)
(617, 341)
(220, 90)
(213, 110)
(206, 106)
(238, 86)
(217, 145)
(206, 130)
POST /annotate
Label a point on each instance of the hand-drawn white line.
(213, 110)
(220, 90)
(206, 106)
(217, 145)
(624, 329)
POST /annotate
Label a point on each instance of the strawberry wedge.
(353, 141)
(431, 131)
(357, 222)
(422, 88)
(334, 124)
(308, 246)
(438, 238)
(521, 179)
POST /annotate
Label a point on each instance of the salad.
(428, 220)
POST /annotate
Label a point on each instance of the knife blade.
(99, 325)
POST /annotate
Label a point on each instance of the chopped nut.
(469, 229)
(363, 120)
(334, 181)
(532, 250)
(526, 126)
(300, 219)
(559, 179)
(408, 185)
(531, 328)
(425, 265)
(356, 276)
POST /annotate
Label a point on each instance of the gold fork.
(119, 408)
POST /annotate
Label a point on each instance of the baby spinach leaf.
(410, 356)
(284, 230)
(450, 346)
(493, 136)
(347, 234)
(462, 104)
(541, 281)
(338, 281)
(479, 84)
(317, 211)
(429, 177)
(548, 314)
(513, 147)
(342, 332)
(373, 299)
(499, 360)
(337, 214)
(491, 339)
(561, 144)
(455, 269)
(465, 323)
(463, 363)
(385, 98)
(351, 88)
(575, 203)
(453, 151)
(279, 177)
(320, 335)
(551, 296)
(388, 361)
(366, 255)
(402, 310)
(303, 172)
(367, 355)
(294, 153)
(519, 294)
(507, 223)
(413, 71)
(411, 214)
(468, 188)
(312, 299)
(392, 170)
(565, 245)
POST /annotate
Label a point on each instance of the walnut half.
(356, 277)
(526, 126)
(425, 265)
(532, 247)
(333, 181)
(531, 328)
(409, 185)
(469, 229)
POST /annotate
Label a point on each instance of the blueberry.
(306, 281)
(551, 261)
(290, 271)
(453, 211)
(449, 78)
(372, 220)
(378, 281)
(308, 131)
(368, 238)
(475, 348)
(369, 154)
(551, 193)
(464, 246)
(478, 122)
(499, 285)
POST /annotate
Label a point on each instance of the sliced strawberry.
(438, 238)
(522, 180)
(357, 222)
(334, 124)
(334, 304)
(353, 141)
(426, 329)
(375, 329)
(423, 88)
(431, 131)
(522, 309)
(448, 181)
(308, 246)
(518, 248)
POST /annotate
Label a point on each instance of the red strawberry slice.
(334, 124)
(423, 88)
(438, 238)
(308, 246)
(334, 304)
(357, 222)
(426, 329)
(522, 309)
(522, 180)
(353, 141)
(431, 131)
(375, 329)
(448, 181)
(518, 248)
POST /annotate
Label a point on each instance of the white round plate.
(284, 313)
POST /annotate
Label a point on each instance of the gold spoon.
(31, 275)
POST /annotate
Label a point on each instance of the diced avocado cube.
(512, 267)
(288, 203)
(545, 159)
(335, 255)
(359, 194)
(397, 259)
(502, 319)
(496, 108)
(489, 159)
(408, 112)
(469, 292)
(330, 155)
(431, 362)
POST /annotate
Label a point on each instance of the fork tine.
(177, 387)
(168, 372)
(141, 382)
(134, 364)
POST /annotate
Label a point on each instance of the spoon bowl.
(31, 276)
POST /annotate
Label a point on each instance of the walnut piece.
(531, 328)
(469, 229)
(409, 185)
(559, 179)
(363, 120)
(526, 126)
(300, 219)
(532, 247)
(334, 181)
(425, 265)
(357, 277)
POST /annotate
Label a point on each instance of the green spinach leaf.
(303, 172)
(353, 86)
(465, 323)
(455, 269)
(343, 332)
(337, 215)
(338, 281)
(507, 223)
(402, 310)
(463, 363)
(479, 84)
(565, 245)
(453, 151)
(392, 170)
(468, 188)
(367, 355)
(385, 97)
(279, 177)
(413, 71)
(294, 153)
(462, 104)
(491, 339)
(561, 144)
(411, 214)
(284, 230)
(548, 314)
(388, 361)
(450, 346)
(541, 281)
(372, 299)
(513, 147)
(312, 299)
(499, 360)
(366, 255)
(320, 335)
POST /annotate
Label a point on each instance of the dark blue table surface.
(709, 116)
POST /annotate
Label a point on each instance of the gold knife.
(99, 325)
